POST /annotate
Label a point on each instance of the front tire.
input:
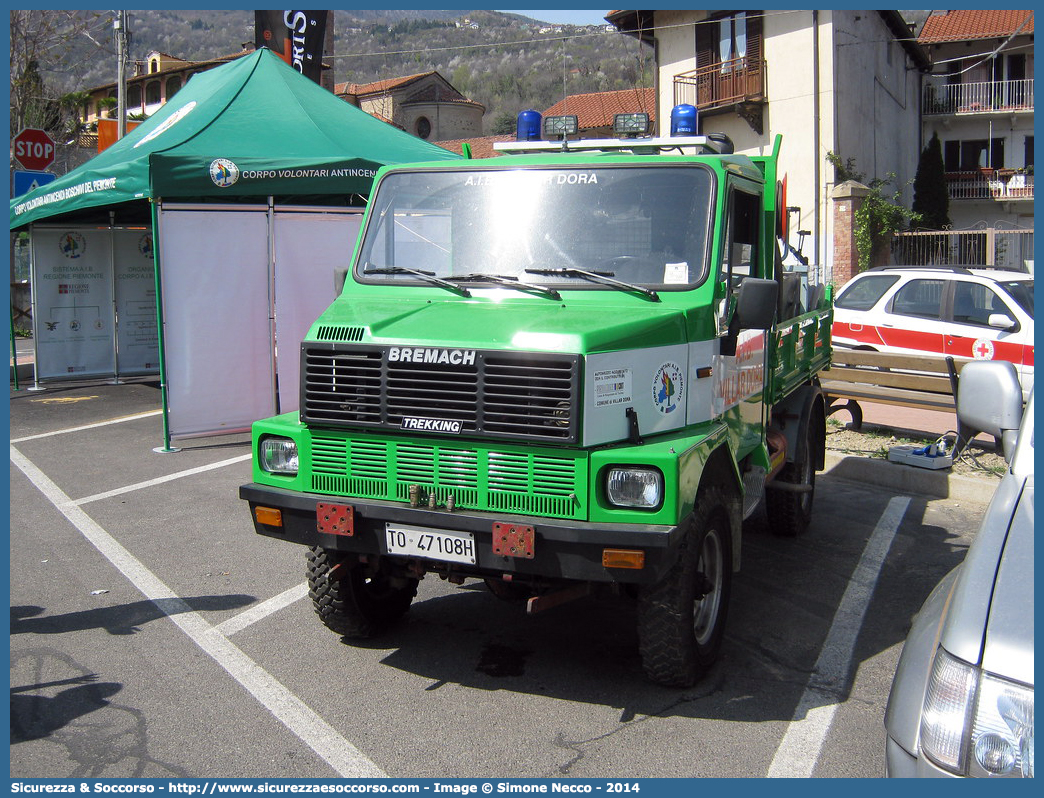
(681, 619)
(357, 601)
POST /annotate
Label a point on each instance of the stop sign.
(34, 149)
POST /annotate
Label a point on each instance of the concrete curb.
(910, 479)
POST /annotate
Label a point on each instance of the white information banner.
(73, 310)
(214, 270)
(136, 336)
(309, 248)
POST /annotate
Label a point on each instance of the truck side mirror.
(756, 303)
(340, 276)
(989, 399)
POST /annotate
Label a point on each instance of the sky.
(589, 16)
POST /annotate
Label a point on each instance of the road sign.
(33, 148)
(24, 182)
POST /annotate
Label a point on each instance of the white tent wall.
(94, 307)
(219, 266)
(310, 246)
(217, 343)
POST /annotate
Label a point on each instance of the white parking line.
(160, 480)
(258, 612)
(300, 719)
(799, 750)
(88, 426)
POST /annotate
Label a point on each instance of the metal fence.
(970, 98)
(991, 246)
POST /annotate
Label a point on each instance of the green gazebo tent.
(248, 176)
(254, 127)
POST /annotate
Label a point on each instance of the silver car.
(962, 699)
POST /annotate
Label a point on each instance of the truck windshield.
(639, 225)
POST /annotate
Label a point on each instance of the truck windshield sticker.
(612, 387)
(676, 273)
(668, 386)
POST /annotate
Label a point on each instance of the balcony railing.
(1002, 184)
(722, 85)
(976, 98)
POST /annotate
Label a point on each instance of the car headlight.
(634, 487)
(278, 456)
(977, 724)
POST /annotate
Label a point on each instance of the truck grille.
(527, 482)
(517, 396)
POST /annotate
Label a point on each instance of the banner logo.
(72, 245)
(667, 387)
(297, 37)
(223, 172)
(145, 245)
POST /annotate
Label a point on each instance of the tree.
(41, 42)
(879, 216)
(931, 198)
(503, 125)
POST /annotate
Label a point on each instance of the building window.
(154, 65)
(1028, 151)
(728, 61)
(152, 93)
(134, 97)
(423, 127)
(173, 85)
(973, 154)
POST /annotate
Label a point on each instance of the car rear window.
(864, 292)
(1022, 292)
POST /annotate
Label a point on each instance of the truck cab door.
(739, 394)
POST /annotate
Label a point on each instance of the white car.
(983, 314)
(962, 699)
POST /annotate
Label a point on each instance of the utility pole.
(120, 29)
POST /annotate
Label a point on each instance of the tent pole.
(14, 351)
(273, 343)
(165, 448)
(33, 310)
(115, 318)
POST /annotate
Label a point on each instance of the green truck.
(574, 368)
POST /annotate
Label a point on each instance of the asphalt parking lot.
(153, 634)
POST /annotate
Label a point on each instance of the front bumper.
(562, 549)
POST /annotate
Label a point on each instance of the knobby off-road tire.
(355, 605)
(681, 619)
(789, 512)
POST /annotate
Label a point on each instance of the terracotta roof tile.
(966, 24)
(481, 147)
(379, 86)
(599, 108)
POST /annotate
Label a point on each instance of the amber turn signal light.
(623, 558)
(269, 516)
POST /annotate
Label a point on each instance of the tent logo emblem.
(167, 123)
(72, 245)
(223, 172)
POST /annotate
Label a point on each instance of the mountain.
(506, 62)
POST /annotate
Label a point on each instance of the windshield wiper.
(598, 277)
(426, 276)
(511, 281)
